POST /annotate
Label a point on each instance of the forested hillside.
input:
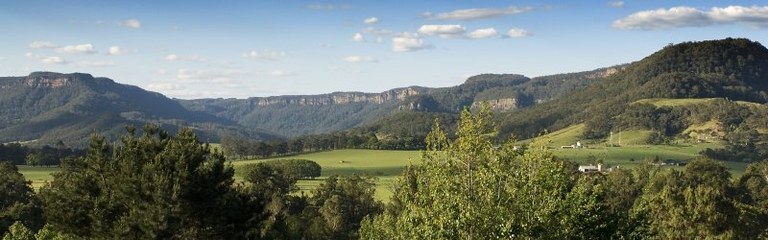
(326, 113)
(731, 69)
(47, 107)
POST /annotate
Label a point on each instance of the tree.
(18, 231)
(695, 203)
(18, 203)
(150, 186)
(343, 203)
(752, 188)
(471, 189)
(296, 168)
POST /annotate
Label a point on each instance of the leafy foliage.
(150, 186)
(18, 203)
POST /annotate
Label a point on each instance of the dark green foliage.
(150, 186)
(334, 211)
(343, 203)
(18, 203)
(297, 168)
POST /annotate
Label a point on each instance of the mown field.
(386, 166)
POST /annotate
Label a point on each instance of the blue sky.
(202, 49)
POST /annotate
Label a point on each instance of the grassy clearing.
(565, 136)
(675, 102)
(384, 165)
(37, 175)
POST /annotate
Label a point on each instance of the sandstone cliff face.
(46, 81)
(502, 104)
(607, 72)
(339, 98)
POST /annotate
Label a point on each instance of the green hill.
(732, 69)
(47, 107)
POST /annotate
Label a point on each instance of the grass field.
(37, 175)
(386, 166)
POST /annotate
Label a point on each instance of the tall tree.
(147, 187)
(471, 189)
(18, 203)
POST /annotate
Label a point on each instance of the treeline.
(19, 154)
(159, 186)
(245, 148)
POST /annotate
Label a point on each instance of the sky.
(256, 48)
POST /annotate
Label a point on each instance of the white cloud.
(518, 33)
(207, 76)
(328, 6)
(476, 13)
(371, 20)
(266, 54)
(359, 59)
(186, 58)
(444, 31)
(483, 33)
(408, 42)
(77, 49)
(756, 15)
(378, 31)
(358, 37)
(116, 50)
(42, 44)
(96, 63)
(130, 23)
(616, 4)
(280, 73)
(164, 86)
(53, 59)
(47, 59)
(684, 16)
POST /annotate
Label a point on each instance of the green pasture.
(386, 166)
(37, 175)
(676, 102)
(382, 164)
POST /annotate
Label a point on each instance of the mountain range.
(46, 107)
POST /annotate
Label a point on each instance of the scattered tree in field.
(296, 168)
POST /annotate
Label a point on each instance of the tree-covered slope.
(733, 69)
(48, 107)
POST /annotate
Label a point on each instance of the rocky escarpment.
(503, 104)
(48, 80)
(398, 94)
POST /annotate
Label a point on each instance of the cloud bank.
(683, 16)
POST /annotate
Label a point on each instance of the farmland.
(387, 165)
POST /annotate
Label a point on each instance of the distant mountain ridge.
(49, 107)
